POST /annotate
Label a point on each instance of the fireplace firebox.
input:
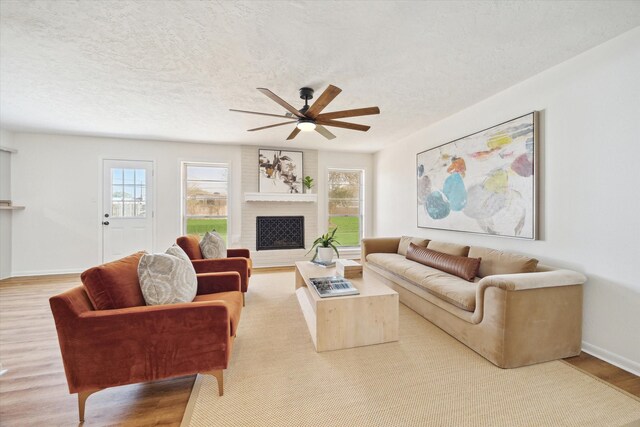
(279, 232)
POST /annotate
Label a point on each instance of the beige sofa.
(510, 319)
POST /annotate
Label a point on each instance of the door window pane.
(129, 176)
(128, 193)
(140, 177)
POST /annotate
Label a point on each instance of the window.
(205, 198)
(346, 205)
(128, 193)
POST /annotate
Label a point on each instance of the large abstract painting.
(280, 171)
(482, 183)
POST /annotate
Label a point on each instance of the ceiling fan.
(310, 118)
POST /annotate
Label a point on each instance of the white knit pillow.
(213, 246)
(167, 278)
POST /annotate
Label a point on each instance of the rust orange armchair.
(110, 347)
(237, 260)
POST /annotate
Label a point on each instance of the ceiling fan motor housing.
(306, 93)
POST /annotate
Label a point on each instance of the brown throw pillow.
(463, 267)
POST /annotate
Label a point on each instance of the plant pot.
(324, 254)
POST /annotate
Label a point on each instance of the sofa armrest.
(210, 283)
(379, 245)
(523, 281)
(240, 265)
(107, 348)
(238, 252)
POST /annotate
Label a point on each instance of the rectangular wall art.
(482, 183)
(280, 171)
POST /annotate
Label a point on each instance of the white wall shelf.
(280, 197)
(7, 205)
(8, 150)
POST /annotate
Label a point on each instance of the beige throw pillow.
(405, 241)
(167, 278)
(449, 248)
(213, 246)
(497, 262)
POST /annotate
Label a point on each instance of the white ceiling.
(171, 70)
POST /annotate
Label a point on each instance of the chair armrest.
(379, 245)
(241, 265)
(210, 283)
(543, 279)
(244, 253)
(114, 347)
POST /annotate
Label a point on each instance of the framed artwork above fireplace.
(280, 171)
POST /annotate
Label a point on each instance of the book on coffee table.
(334, 286)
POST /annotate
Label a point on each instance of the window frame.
(361, 200)
(183, 185)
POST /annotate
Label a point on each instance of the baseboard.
(612, 358)
(46, 272)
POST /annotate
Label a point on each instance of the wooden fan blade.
(349, 113)
(293, 134)
(281, 102)
(324, 132)
(282, 116)
(270, 126)
(327, 96)
(335, 123)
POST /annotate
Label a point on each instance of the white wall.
(5, 194)
(58, 178)
(589, 186)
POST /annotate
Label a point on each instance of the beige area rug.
(426, 379)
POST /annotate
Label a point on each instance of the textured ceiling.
(171, 70)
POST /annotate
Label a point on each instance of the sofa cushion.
(405, 241)
(232, 299)
(167, 278)
(393, 262)
(449, 288)
(114, 284)
(460, 266)
(449, 248)
(498, 262)
(213, 246)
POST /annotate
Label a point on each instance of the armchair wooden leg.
(243, 299)
(219, 377)
(82, 399)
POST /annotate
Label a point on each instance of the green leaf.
(335, 250)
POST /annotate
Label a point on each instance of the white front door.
(127, 214)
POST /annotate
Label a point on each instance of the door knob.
(105, 223)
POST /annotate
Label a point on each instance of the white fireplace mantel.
(280, 197)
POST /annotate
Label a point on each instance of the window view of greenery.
(345, 199)
(206, 199)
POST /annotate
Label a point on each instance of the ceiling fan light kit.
(306, 125)
(310, 118)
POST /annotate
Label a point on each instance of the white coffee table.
(350, 321)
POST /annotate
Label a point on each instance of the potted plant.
(325, 246)
(308, 183)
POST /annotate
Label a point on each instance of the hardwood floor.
(34, 390)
